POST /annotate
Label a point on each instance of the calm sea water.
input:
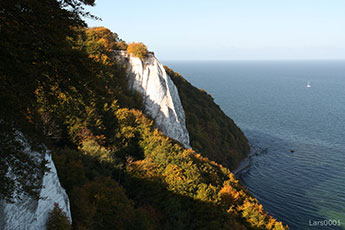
(270, 102)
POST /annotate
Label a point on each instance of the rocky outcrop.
(30, 214)
(160, 95)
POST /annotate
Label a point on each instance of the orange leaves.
(100, 43)
(275, 225)
(105, 42)
(102, 35)
(99, 30)
(233, 179)
(255, 215)
(229, 195)
(144, 169)
(137, 49)
(173, 174)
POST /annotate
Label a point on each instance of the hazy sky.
(229, 29)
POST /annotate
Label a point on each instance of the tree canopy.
(137, 49)
(58, 220)
(35, 52)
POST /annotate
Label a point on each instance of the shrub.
(137, 49)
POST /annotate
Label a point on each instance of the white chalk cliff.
(162, 103)
(30, 214)
(160, 95)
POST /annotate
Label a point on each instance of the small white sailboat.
(308, 84)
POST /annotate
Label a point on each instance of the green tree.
(103, 204)
(58, 220)
(35, 51)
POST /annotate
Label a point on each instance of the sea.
(296, 133)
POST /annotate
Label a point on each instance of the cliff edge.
(160, 95)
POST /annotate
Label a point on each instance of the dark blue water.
(270, 102)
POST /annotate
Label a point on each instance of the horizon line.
(260, 59)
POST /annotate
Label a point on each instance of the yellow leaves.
(128, 132)
(274, 224)
(206, 192)
(137, 49)
(174, 178)
(173, 173)
(92, 148)
(100, 43)
(182, 179)
(38, 91)
(100, 139)
(189, 151)
(104, 42)
(229, 195)
(123, 114)
(233, 179)
(134, 118)
(144, 168)
(28, 115)
(99, 33)
(255, 215)
(271, 223)
(113, 106)
(95, 57)
(105, 60)
(279, 226)
(98, 29)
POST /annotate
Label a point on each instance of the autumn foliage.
(124, 169)
(138, 50)
(119, 171)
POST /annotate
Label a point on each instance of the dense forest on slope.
(60, 87)
(211, 132)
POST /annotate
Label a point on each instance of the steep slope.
(119, 171)
(160, 96)
(28, 213)
(212, 132)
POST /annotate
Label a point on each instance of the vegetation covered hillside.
(212, 133)
(118, 170)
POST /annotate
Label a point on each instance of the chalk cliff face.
(160, 95)
(162, 103)
(30, 214)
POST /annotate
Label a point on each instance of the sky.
(229, 29)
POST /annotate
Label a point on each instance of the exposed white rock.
(30, 214)
(160, 95)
